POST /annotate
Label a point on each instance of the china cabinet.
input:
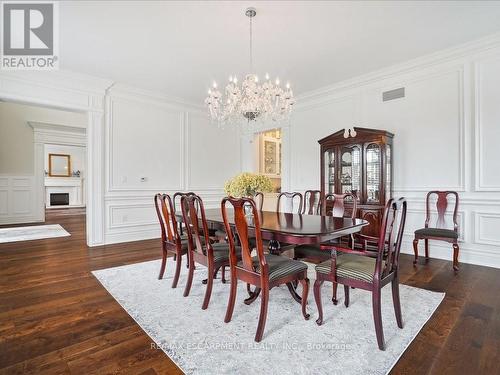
(270, 156)
(362, 165)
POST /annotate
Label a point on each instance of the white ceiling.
(179, 48)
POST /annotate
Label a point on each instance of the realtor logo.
(29, 35)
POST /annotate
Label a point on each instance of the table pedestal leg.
(274, 247)
(294, 294)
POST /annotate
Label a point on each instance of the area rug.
(199, 342)
(35, 232)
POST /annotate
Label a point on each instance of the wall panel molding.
(480, 185)
(480, 218)
(18, 200)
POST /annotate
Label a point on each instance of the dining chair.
(312, 202)
(200, 249)
(289, 203)
(357, 269)
(264, 271)
(439, 232)
(171, 240)
(176, 200)
(336, 204)
(259, 202)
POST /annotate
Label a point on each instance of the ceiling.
(180, 47)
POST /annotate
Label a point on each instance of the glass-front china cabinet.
(361, 165)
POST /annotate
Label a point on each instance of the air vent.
(393, 94)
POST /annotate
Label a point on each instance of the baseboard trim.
(445, 251)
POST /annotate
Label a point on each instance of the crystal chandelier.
(251, 101)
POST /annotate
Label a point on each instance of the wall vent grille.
(393, 94)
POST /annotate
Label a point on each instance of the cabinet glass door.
(270, 160)
(350, 170)
(388, 169)
(373, 173)
(329, 160)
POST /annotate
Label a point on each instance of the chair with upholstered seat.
(357, 268)
(336, 204)
(200, 249)
(171, 240)
(439, 233)
(264, 271)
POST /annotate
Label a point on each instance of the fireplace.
(59, 199)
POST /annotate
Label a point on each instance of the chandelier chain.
(251, 47)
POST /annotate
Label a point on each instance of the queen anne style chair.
(439, 233)
(313, 253)
(172, 242)
(358, 269)
(200, 250)
(264, 271)
(290, 203)
(259, 203)
(312, 202)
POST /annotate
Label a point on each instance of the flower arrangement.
(247, 185)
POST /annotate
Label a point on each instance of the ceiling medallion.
(250, 102)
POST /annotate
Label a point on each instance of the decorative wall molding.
(17, 200)
(478, 235)
(478, 128)
(110, 129)
(150, 97)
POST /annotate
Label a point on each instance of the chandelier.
(252, 101)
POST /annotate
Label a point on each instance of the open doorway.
(42, 163)
(269, 161)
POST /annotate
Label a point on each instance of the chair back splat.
(290, 203)
(242, 231)
(312, 202)
(441, 207)
(166, 217)
(193, 213)
(391, 237)
(259, 200)
(339, 204)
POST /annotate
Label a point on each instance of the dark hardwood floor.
(56, 318)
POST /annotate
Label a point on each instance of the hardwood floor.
(56, 318)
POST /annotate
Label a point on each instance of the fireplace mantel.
(70, 185)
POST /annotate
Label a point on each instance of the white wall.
(447, 137)
(172, 146)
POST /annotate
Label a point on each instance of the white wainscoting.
(17, 200)
(156, 144)
(447, 137)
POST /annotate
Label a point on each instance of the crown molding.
(61, 78)
(43, 126)
(128, 91)
(442, 56)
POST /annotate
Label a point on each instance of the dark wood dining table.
(288, 228)
(297, 229)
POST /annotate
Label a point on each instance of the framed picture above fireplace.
(59, 165)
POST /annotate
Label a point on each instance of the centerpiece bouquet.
(247, 185)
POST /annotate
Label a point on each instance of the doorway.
(28, 135)
(268, 162)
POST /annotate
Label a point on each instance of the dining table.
(290, 229)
